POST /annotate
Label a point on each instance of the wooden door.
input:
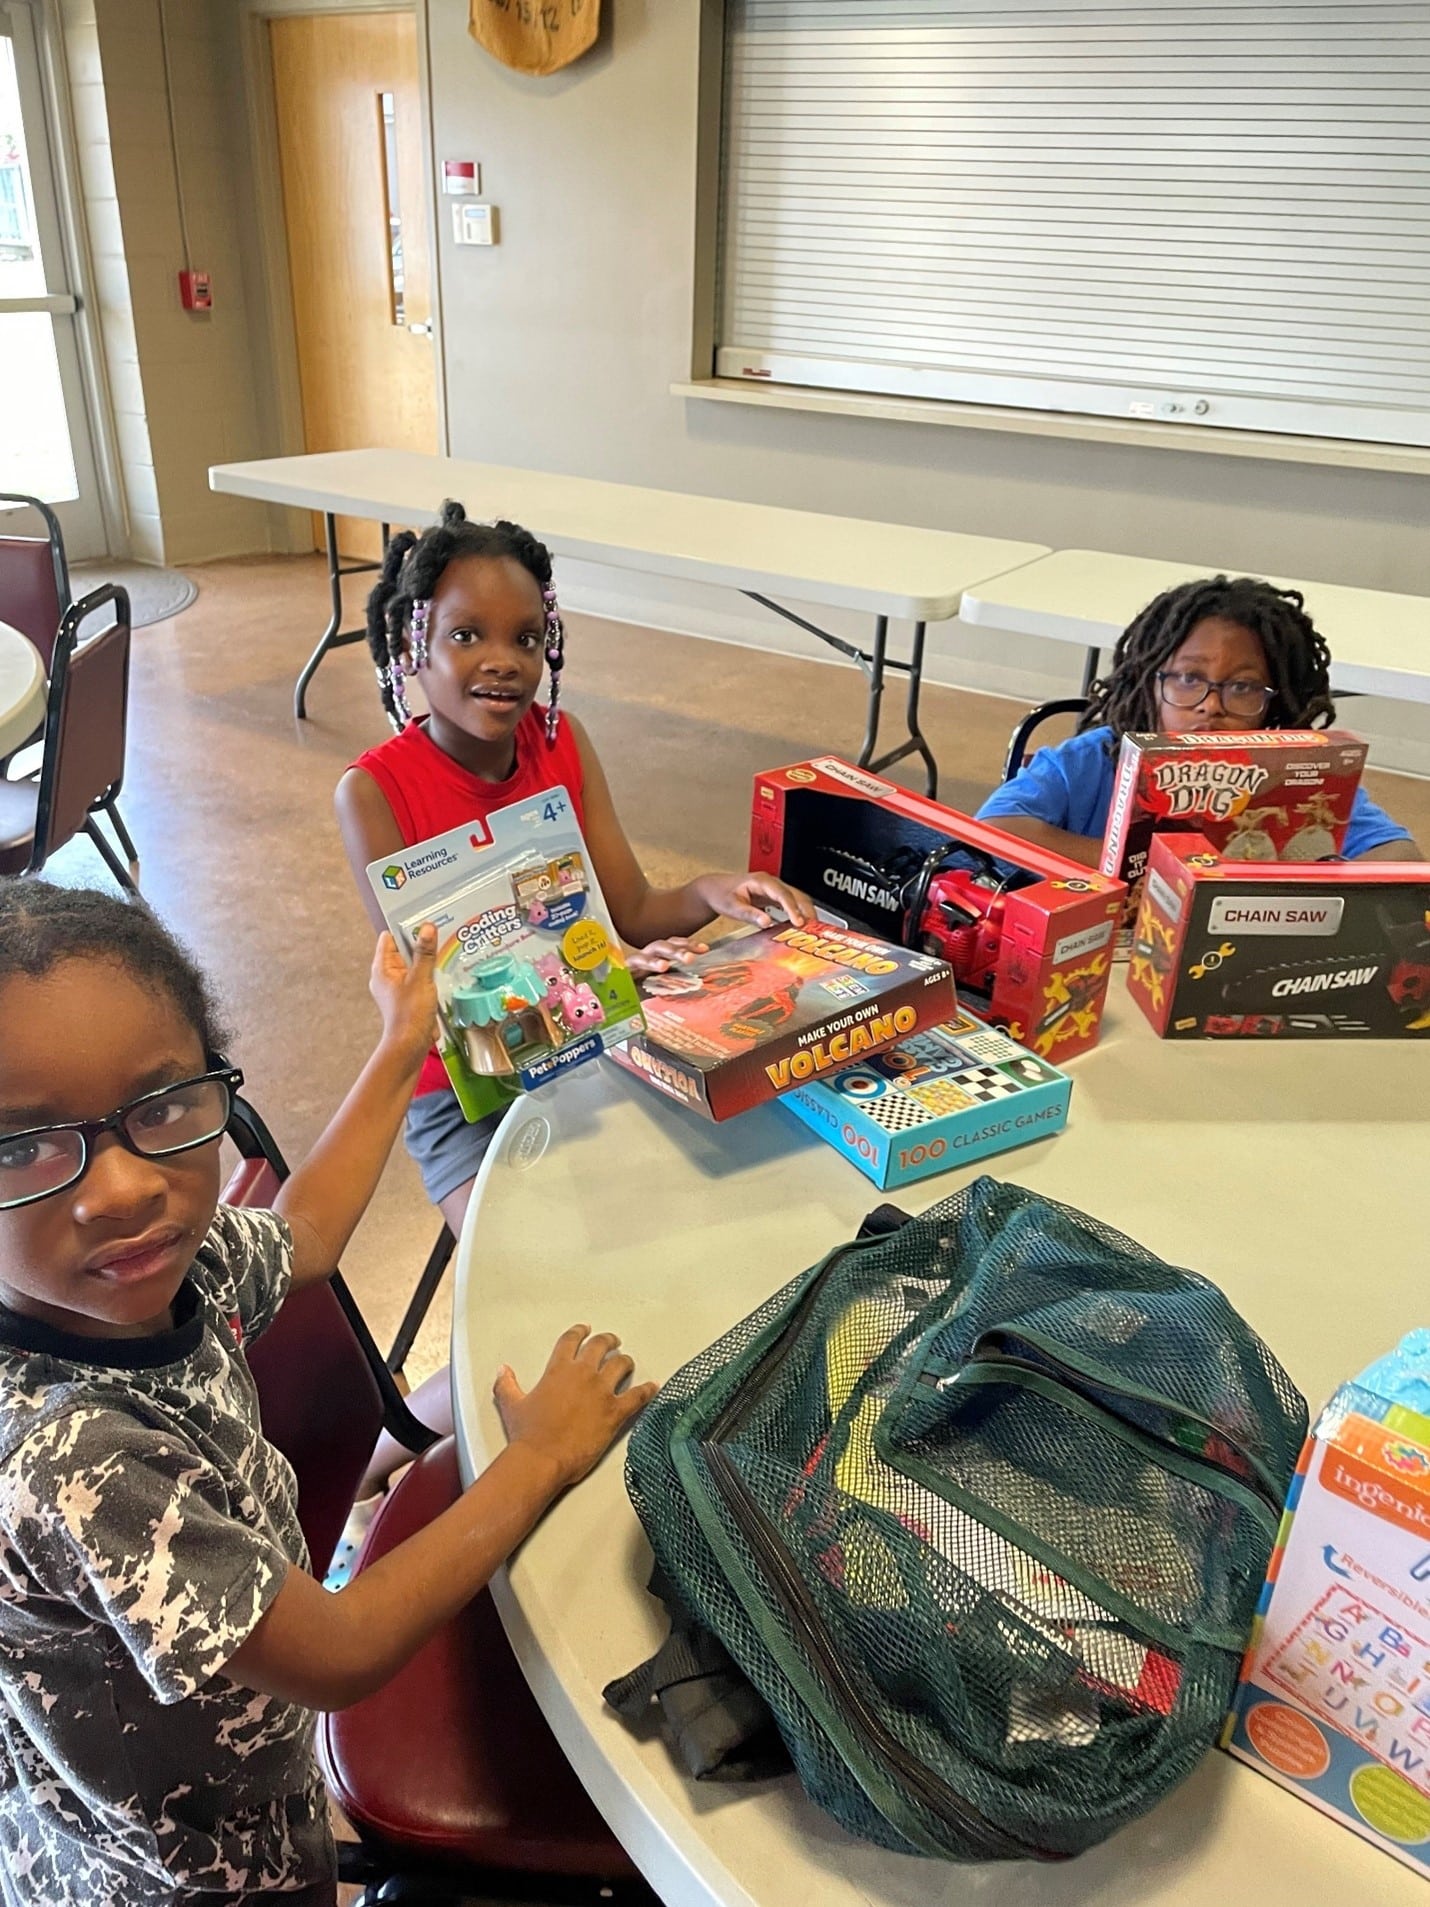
(354, 197)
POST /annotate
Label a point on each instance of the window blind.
(1216, 214)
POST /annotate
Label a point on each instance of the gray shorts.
(446, 1149)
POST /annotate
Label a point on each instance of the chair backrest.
(86, 722)
(323, 1388)
(1018, 749)
(34, 579)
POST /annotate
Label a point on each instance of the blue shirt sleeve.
(1369, 827)
(1069, 786)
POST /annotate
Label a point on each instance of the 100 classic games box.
(763, 1012)
(1224, 950)
(1279, 794)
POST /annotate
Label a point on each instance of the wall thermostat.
(474, 224)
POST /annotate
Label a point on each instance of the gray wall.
(562, 342)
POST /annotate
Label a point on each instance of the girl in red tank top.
(468, 611)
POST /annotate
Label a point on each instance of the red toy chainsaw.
(951, 904)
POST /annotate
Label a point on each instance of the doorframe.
(291, 530)
(63, 154)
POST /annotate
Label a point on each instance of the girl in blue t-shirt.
(1211, 656)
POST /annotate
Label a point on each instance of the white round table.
(22, 689)
(1292, 1175)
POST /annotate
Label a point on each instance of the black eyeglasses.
(1184, 691)
(46, 1159)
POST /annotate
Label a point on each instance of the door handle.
(421, 330)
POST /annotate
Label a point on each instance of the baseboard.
(1023, 669)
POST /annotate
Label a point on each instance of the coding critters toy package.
(1279, 794)
(530, 976)
(1334, 1701)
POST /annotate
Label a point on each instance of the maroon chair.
(449, 1773)
(82, 767)
(34, 578)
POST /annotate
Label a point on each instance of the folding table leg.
(334, 636)
(876, 690)
(917, 743)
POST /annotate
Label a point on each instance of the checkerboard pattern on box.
(942, 1098)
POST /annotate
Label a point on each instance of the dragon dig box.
(1029, 935)
(1278, 794)
(1227, 950)
(763, 1012)
(530, 975)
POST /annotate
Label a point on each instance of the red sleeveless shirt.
(429, 793)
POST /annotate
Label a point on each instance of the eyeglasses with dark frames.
(44, 1160)
(1185, 690)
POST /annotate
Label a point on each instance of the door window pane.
(35, 449)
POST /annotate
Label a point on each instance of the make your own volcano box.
(766, 1011)
(1278, 794)
(856, 843)
(1227, 950)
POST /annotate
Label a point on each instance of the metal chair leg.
(420, 1302)
(131, 853)
(111, 859)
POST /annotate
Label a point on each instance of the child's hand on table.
(406, 996)
(577, 1409)
(751, 896)
(661, 955)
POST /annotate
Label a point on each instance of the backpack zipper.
(935, 1795)
(987, 1349)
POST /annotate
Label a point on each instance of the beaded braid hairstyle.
(1298, 660)
(398, 608)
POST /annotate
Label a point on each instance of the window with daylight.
(1215, 214)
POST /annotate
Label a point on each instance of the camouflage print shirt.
(145, 1526)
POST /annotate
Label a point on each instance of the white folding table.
(886, 570)
(601, 1201)
(22, 690)
(1380, 641)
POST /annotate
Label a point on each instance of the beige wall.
(561, 344)
(184, 386)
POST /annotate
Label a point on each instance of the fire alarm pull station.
(195, 291)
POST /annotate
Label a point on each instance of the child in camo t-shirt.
(162, 1644)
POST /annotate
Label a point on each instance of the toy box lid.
(828, 774)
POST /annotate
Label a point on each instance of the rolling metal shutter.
(1218, 214)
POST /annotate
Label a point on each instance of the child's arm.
(329, 1192)
(659, 920)
(330, 1650)
(369, 830)
(1083, 848)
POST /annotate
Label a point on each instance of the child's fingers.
(567, 1345)
(632, 1402)
(426, 948)
(506, 1391)
(598, 1348)
(617, 1370)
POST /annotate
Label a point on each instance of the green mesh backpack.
(981, 1507)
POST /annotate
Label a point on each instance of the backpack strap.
(883, 1221)
(715, 1721)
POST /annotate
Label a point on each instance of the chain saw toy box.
(944, 1098)
(1334, 1701)
(1273, 795)
(530, 976)
(1029, 935)
(1226, 950)
(765, 1011)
